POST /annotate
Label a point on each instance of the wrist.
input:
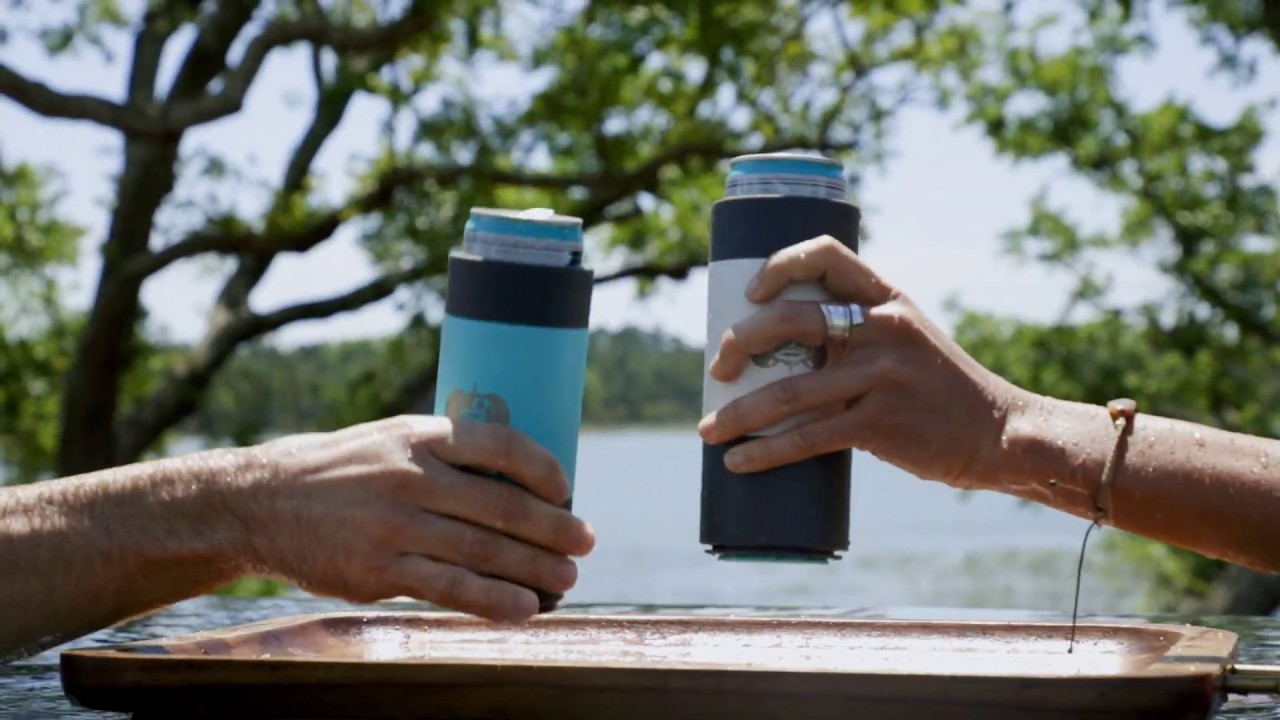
(1049, 453)
(238, 489)
(1012, 408)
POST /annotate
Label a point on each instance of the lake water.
(912, 543)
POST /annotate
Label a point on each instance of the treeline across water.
(634, 377)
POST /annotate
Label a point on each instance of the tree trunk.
(1238, 591)
(92, 391)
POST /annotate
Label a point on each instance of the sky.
(936, 212)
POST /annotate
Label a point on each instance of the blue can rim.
(503, 221)
(787, 164)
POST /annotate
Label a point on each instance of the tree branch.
(374, 291)
(44, 100)
(158, 24)
(180, 393)
(324, 225)
(612, 189)
(145, 117)
(653, 271)
(317, 31)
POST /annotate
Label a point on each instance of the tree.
(626, 112)
(629, 110)
(1193, 204)
(36, 335)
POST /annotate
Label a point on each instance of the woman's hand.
(381, 510)
(901, 389)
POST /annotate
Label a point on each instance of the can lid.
(536, 236)
(540, 223)
(786, 173)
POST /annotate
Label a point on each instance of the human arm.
(905, 392)
(366, 513)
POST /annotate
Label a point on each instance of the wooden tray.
(435, 665)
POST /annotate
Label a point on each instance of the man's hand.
(382, 510)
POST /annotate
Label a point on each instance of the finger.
(811, 439)
(823, 260)
(503, 450)
(488, 553)
(503, 507)
(456, 588)
(790, 396)
(765, 331)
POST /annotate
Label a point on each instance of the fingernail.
(711, 434)
(705, 425)
(734, 459)
(588, 537)
(753, 287)
(566, 575)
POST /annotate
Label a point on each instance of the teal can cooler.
(513, 346)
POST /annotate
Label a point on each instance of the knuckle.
(478, 547)
(556, 480)
(896, 316)
(405, 481)
(505, 506)
(827, 247)
(805, 439)
(450, 589)
(785, 392)
(377, 582)
(392, 446)
(883, 370)
(506, 445)
(402, 427)
(788, 312)
(386, 532)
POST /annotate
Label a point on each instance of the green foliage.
(618, 112)
(1192, 204)
(36, 333)
(254, 587)
(633, 377)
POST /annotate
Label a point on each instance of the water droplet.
(1199, 440)
(1264, 460)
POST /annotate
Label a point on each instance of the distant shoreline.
(190, 443)
(666, 426)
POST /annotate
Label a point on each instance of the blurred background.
(223, 221)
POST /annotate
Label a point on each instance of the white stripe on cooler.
(726, 306)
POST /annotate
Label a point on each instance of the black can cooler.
(797, 512)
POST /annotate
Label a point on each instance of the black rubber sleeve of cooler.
(518, 294)
(799, 507)
(758, 226)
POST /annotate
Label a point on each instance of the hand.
(380, 510)
(902, 390)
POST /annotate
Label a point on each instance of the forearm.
(82, 553)
(1214, 492)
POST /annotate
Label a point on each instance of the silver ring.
(841, 319)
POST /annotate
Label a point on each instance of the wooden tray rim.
(1198, 651)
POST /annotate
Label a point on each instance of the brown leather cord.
(1122, 412)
